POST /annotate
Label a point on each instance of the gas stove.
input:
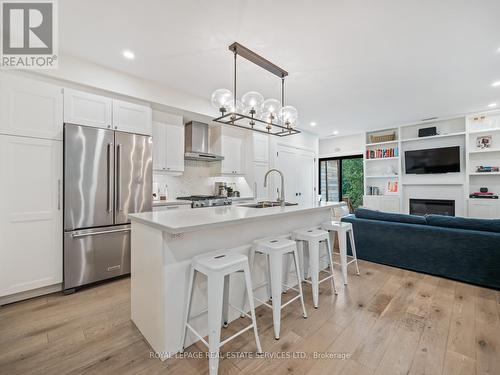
(198, 201)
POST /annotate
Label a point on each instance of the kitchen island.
(163, 244)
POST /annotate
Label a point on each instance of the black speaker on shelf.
(427, 132)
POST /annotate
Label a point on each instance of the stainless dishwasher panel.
(96, 254)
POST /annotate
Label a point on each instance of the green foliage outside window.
(352, 180)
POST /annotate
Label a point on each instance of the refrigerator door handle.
(118, 177)
(97, 233)
(110, 180)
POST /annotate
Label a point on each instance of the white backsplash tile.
(199, 178)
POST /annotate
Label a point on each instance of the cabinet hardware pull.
(59, 195)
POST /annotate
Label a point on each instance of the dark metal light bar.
(257, 59)
(232, 119)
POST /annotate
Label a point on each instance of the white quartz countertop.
(180, 221)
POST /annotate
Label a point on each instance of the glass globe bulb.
(252, 102)
(232, 108)
(220, 98)
(270, 110)
(288, 115)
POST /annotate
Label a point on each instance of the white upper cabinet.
(87, 109)
(229, 143)
(168, 146)
(30, 108)
(131, 117)
(260, 144)
(30, 213)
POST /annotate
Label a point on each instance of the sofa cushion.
(484, 225)
(364, 213)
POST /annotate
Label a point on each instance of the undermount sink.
(267, 204)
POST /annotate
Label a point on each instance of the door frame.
(340, 158)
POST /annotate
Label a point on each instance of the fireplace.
(432, 206)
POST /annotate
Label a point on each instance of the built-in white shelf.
(454, 131)
(390, 158)
(432, 183)
(484, 150)
(484, 174)
(384, 176)
(382, 143)
(481, 131)
(433, 137)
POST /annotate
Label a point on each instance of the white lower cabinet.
(30, 213)
(484, 208)
(383, 203)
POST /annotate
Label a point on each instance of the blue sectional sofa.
(457, 248)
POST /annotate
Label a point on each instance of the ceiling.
(354, 65)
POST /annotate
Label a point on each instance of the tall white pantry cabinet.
(32, 115)
(31, 130)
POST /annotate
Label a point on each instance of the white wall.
(341, 146)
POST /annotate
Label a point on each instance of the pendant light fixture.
(253, 112)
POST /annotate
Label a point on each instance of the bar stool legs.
(314, 237)
(218, 268)
(353, 248)
(276, 252)
(343, 229)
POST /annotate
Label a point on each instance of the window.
(341, 177)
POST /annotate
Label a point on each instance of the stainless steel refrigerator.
(107, 175)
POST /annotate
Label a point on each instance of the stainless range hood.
(196, 143)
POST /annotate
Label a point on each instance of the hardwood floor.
(386, 321)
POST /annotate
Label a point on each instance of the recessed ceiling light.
(335, 132)
(492, 105)
(495, 84)
(128, 54)
(312, 124)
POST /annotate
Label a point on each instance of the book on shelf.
(382, 153)
(392, 187)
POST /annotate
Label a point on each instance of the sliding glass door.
(341, 178)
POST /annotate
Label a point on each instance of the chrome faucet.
(281, 200)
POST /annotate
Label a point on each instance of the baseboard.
(30, 294)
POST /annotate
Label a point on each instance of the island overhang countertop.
(181, 221)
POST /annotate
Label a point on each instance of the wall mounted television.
(433, 160)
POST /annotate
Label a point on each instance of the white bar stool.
(314, 237)
(275, 249)
(217, 268)
(342, 229)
